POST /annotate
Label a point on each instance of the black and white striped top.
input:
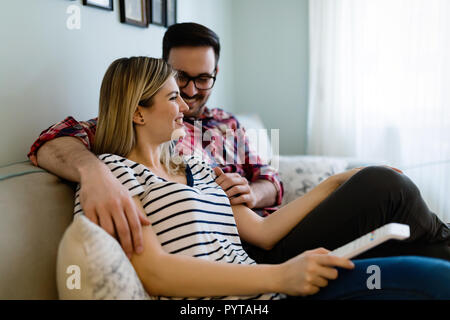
(194, 219)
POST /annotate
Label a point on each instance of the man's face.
(193, 62)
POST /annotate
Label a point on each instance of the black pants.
(372, 198)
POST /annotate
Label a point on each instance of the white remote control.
(389, 231)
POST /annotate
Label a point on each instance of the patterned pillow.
(300, 174)
(104, 272)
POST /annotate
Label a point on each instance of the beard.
(199, 101)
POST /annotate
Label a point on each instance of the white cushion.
(104, 269)
(300, 174)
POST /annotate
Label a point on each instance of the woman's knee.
(388, 180)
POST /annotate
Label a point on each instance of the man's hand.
(236, 187)
(107, 203)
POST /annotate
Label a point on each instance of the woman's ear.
(137, 117)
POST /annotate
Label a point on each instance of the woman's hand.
(306, 273)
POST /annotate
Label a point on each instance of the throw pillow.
(89, 255)
(300, 174)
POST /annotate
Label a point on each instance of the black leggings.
(372, 198)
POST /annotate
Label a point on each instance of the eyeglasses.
(201, 82)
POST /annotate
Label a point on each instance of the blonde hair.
(127, 83)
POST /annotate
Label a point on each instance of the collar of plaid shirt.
(216, 137)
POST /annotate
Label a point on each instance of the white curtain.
(380, 87)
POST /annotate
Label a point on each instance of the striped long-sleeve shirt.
(193, 219)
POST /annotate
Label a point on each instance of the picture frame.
(158, 12)
(171, 12)
(102, 4)
(134, 12)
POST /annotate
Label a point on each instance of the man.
(63, 149)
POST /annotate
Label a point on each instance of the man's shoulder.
(91, 123)
(219, 114)
(220, 118)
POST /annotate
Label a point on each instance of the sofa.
(40, 239)
(37, 207)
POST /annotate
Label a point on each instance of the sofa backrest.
(258, 135)
(35, 208)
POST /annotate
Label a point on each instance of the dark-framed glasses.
(201, 82)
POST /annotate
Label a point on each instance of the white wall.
(271, 61)
(264, 64)
(48, 72)
(216, 15)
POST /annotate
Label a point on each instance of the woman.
(194, 228)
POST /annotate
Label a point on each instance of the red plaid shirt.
(216, 136)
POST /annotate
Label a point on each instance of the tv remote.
(389, 231)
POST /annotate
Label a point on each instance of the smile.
(190, 101)
(179, 121)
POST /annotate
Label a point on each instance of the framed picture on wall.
(171, 12)
(134, 12)
(158, 12)
(102, 4)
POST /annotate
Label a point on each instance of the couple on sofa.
(180, 220)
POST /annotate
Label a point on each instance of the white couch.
(36, 208)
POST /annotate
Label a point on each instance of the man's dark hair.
(190, 35)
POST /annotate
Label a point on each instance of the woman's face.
(165, 115)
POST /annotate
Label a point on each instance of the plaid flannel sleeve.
(69, 127)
